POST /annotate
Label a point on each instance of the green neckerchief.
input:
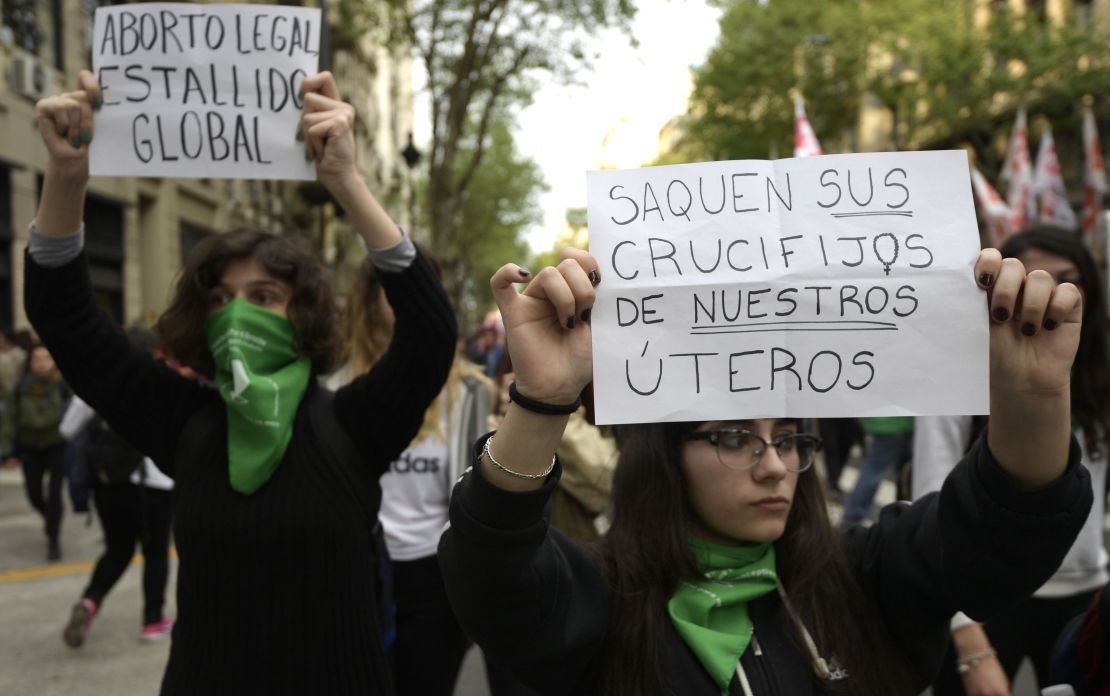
(711, 615)
(262, 379)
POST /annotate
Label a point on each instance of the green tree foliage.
(500, 203)
(482, 58)
(946, 75)
(575, 234)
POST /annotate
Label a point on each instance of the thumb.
(502, 284)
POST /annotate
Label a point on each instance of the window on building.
(190, 236)
(6, 290)
(1037, 9)
(1084, 13)
(35, 27)
(104, 249)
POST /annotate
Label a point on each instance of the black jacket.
(276, 591)
(539, 604)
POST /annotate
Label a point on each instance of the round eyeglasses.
(742, 449)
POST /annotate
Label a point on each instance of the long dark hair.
(312, 308)
(1090, 387)
(646, 554)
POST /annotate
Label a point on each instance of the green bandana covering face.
(711, 615)
(261, 378)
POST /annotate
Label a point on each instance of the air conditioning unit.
(31, 77)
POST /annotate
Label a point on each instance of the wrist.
(554, 395)
(970, 639)
(347, 187)
(69, 177)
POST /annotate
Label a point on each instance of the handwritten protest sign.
(194, 90)
(815, 287)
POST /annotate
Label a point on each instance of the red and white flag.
(1094, 175)
(805, 140)
(993, 208)
(1017, 172)
(1048, 183)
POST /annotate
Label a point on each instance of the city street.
(36, 598)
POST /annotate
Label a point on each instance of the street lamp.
(412, 158)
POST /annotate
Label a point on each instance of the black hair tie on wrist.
(540, 407)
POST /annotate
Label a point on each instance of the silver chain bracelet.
(531, 477)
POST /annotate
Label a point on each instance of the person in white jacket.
(984, 658)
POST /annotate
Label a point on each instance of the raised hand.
(1034, 335)
(66, 125)
(327, 129)
(1034, 330)
(547, 326)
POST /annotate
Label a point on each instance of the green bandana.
(712, 615)
(261, 378)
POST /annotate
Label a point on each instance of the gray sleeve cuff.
(396, 258)
(52, 252)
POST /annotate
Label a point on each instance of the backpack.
(110, 459)
(40, 407)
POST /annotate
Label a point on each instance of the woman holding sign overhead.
(276, 480)
(720, 573)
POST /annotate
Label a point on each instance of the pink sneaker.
(159, 630)
(80, 621)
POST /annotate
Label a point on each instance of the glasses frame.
(714, 438)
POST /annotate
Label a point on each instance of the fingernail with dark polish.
(595, 278)
(97, 102)
(570, 323)
(586, 314)
(1028, 329)
(1050, 324)
(300, 94)
(986, 279)
(86, 136)
(523, 273)
(300, 135)
(76, 142)
(1001, 314)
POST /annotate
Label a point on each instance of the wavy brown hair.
(312, 308)
(646, 555)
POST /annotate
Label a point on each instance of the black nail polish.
(1001, 314)
(570, 323)
(586, 314)
(1050, 324)
(1028, 329)
(595, 278)
(523, 273)
(986, 279)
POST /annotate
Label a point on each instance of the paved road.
(36, 597)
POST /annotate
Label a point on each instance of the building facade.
(139, 230)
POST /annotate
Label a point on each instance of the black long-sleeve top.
(276, 590)
(539, 604)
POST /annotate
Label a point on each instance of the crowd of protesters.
(347, 523)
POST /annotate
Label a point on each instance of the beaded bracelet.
(531, 477)
(966, 664)
(540, 407)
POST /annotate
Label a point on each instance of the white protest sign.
(195, 90)
(814, 287)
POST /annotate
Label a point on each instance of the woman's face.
(1061, 269)
(729, 505)
(41, 362)
(248, 280)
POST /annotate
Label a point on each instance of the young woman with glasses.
(721, 573)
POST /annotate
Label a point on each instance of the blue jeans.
(884, 452)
